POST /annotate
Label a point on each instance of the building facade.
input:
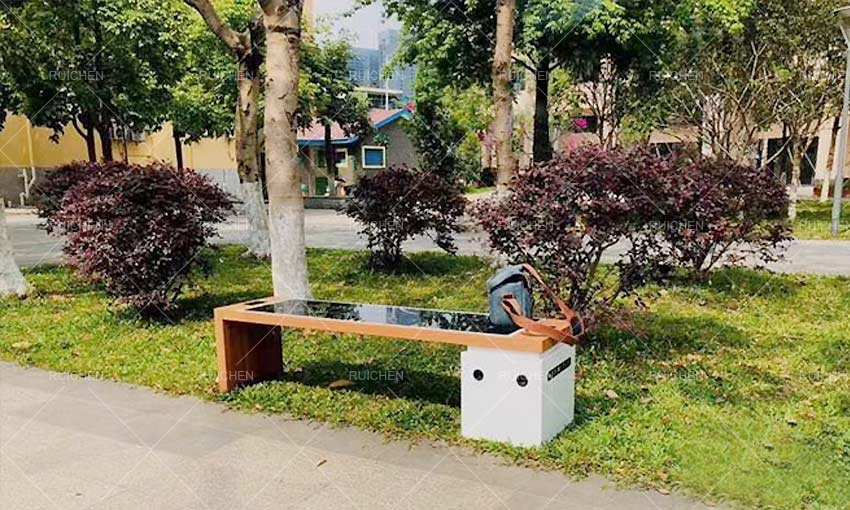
(388, 145)
(26, 152)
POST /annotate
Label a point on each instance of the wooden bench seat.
(248, 335)
(516, 387)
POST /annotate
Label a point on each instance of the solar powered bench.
(516, 386)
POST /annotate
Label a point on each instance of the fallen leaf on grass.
(340, 384)
(611, 394)
(321, 462)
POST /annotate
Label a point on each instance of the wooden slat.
(519, 341)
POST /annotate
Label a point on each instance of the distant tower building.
(364, 69)
(401, 78)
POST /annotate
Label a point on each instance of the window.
(321, 186)
(374, 157)
(119, 131)
(377, 102)
(781, 164)
(340, 158)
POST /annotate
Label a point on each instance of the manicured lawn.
(814, 219)
(738, 388)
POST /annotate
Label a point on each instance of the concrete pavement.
(326, 229)
(72, 443)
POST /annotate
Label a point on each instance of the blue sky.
(362, 27)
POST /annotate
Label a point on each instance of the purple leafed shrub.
(398, 203)
(717, 210)
(47, 194)
(560, 216)
(138, 230)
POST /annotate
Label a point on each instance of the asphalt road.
(326, 229)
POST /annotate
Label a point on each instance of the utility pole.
(843, 16)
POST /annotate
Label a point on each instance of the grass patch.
(480, 190)
(814, 219)
(738, 387)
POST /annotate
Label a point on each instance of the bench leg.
(524, 399)
(247, 353)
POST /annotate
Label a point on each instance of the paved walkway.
(326, 229)
(72, 443)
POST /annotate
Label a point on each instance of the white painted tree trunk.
(830, 163)
(254, 208)
(282, 20)
(246, 49)
(11, 280)
(795, 185)
(247, 156)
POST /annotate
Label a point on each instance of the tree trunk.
(105, 141)
(178, 149)
(248, 155)
(124, 145)
(11, 280)
(84, 128)
(502, 98)
(246, 49)
(91, 146)
(542, 143)
(282, 20)
(796, 149)
(330, 159)
(824, 190)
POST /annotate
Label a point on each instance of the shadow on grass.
(57, 280)
(663, 337)
(420, 264)
(202, 306)
(738, 282)
(811, 215)
(379, 379)
(438, 264)
(737, 386)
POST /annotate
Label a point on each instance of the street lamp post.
(843, 16)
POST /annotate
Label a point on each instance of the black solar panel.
(390, 315)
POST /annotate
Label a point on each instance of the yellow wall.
(24, 146)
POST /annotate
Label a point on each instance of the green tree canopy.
(92, 63)
(327, 92)
(596, 40)
(204, 100)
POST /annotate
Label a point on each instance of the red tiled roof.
(317, 130)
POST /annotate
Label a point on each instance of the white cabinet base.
(524, 399)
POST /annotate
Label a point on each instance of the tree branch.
(234, 40)
(77, 126)
(515, 57)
